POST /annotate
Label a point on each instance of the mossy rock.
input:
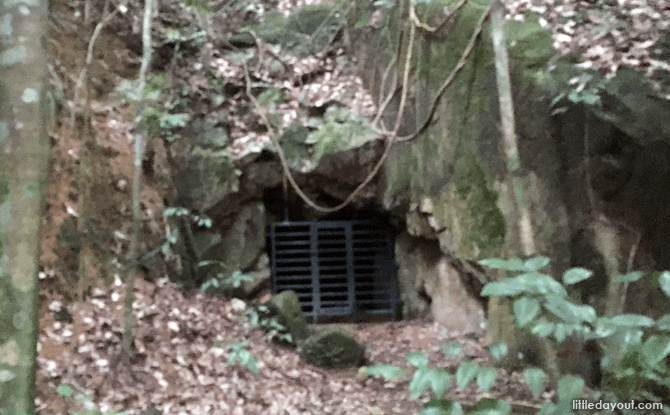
(307, 31)
(286, 306)
(333, 349)
(308, 19)
(269, 29)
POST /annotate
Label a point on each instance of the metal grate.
(337, 268)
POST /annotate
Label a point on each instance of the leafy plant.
(179, 212)
(220, 281)
(635, 347)
(239, 354)
(427, 378)
(85, 402)
(541, 304)
(261, 317)
(585, 88)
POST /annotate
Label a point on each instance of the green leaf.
(664, 281)
(388, 372)
(543, 328)
(271, 96)
(420, 382)
(560, 332)
(535, 380)
(498, 350)
(489, 406)
(417, 359)
(568, 311)
(504, 288)
(632, 276)
(570, 388)
(664, 323)
(525, 310)
(466, 373)
(512, 264)
(655, 348)
(632, 320)
(442, 407)
(64, 390)
(451, 349)
(575, 275)
(536, 263)
(529, 283)
(439, 381)
(486, 378)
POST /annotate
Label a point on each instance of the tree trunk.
(24, 149)
(517, 183)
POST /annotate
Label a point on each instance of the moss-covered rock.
(307, 31)
(206, 177)
(268, 29)
(286, 306)
(333, 349)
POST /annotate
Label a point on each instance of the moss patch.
(333, 349)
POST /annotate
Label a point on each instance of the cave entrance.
(339, 268)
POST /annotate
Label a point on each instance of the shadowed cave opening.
(341, 265)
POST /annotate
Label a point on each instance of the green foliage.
(451, 349)
(262, 317)
(339, 131)
(427, 378)
(239, 354)
(585, 88)
(163, 123)
(498, 350)
(159, 121)
(83, 401)
(180, 212)
(635, 347)
(535, 380)
(201, 6)
(542, 304)
(466, 373)
(221, 281)
(486, 378)
(530, 41)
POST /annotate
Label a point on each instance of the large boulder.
(333, 349)
(286, 306)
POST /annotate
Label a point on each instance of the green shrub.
(636, 347)
(239, 354)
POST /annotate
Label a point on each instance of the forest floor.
(182, 341)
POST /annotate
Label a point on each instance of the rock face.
(445, 192)
(443, 295)
(333, 349)
(286, 306)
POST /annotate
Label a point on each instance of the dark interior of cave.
(342, 266)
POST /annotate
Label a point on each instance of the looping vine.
(390, 136)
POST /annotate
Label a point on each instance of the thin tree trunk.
(525, 238)
(140, 135)
(24, 151)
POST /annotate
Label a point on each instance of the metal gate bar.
(337, 268)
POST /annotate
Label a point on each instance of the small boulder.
(333, 349)
(286, 306)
